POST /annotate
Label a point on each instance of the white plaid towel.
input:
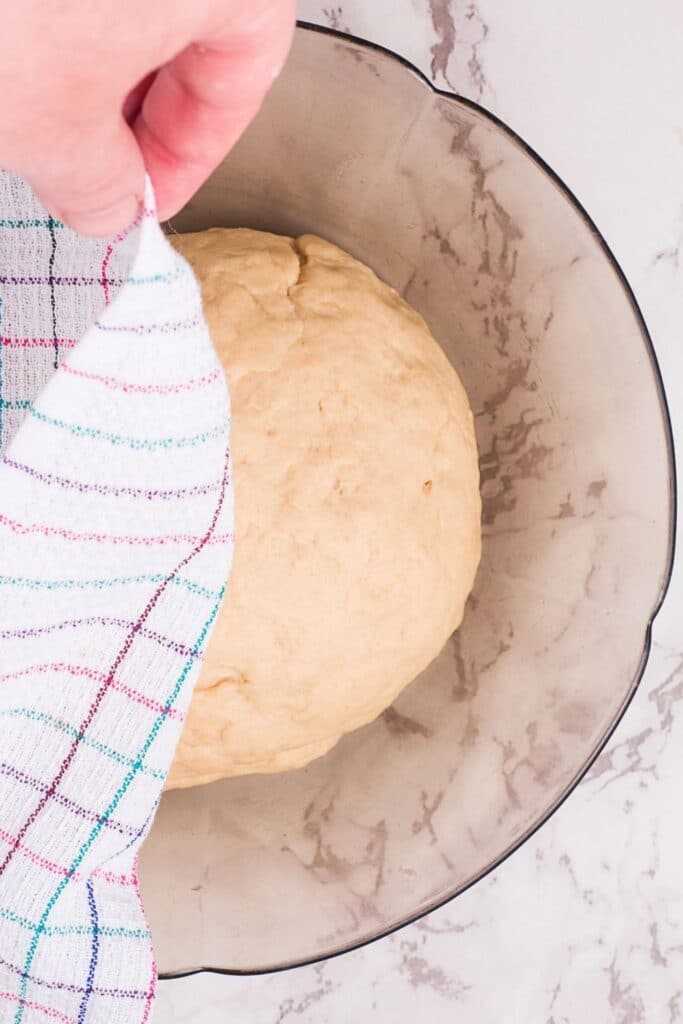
(115, 544)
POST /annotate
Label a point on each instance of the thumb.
(96, 186)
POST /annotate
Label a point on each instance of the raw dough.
(357, 503)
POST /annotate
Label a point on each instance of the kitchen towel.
(115, 545)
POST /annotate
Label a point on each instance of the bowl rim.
(494, 864)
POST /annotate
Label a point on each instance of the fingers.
(132, 105)
(98, 192)
(199, 104)
(185, 117)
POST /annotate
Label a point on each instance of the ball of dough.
(357, 502)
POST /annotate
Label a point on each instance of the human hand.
(91, 94)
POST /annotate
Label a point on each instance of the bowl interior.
(262, 872)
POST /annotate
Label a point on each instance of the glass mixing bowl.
(456, 212)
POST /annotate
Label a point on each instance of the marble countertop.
(585, 921)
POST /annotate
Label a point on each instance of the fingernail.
(107, 221)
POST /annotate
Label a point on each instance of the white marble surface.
(585, 922)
